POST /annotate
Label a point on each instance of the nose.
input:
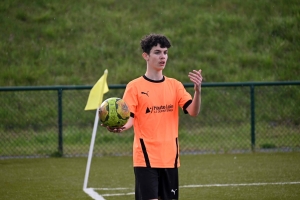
(162, 56)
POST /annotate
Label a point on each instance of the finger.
(196, 78)
(196, 73)
(117, 130)
(196, 81)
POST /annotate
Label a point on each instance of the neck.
(156, 76)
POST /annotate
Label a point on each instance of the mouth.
(162, 63)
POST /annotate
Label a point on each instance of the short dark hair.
(152, 40)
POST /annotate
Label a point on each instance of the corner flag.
(94, 101)
(96, 93)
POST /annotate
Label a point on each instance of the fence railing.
(235, 117)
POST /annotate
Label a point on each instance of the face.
(157, 58)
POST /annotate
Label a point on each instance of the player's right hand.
(114, 129)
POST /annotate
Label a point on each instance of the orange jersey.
(154, 106)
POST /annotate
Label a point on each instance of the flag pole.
(87, 171)
(90, 191)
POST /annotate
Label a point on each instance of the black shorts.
(154, 183)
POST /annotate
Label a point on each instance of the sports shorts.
(156, 183)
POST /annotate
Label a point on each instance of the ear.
(145, 56)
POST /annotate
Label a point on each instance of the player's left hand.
(196, 77)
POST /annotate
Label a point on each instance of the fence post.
(252, 99)
(60, 126)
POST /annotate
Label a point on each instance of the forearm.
(194, 108)
(129, 124)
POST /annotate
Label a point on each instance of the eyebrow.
(158, 50)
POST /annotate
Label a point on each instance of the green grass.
(62, 178)
(71, 43)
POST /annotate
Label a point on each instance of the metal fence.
(235, 117)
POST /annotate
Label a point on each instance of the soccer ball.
(114, 112)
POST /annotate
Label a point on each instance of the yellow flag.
(96, 93)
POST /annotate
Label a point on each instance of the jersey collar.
(154, 81)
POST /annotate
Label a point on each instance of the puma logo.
(173, 191)
(146, 93)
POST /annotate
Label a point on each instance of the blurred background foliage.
(72, 42)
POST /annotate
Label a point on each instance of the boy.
(153, 100)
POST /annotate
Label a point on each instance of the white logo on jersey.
(173, 191)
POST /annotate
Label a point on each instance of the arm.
(194, 108)
(128, 125)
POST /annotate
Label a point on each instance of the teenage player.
(153, 100)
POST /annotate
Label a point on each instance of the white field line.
(119, 194)
(112, 188)
(198, 186)
(239, 184)
(93, 194)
